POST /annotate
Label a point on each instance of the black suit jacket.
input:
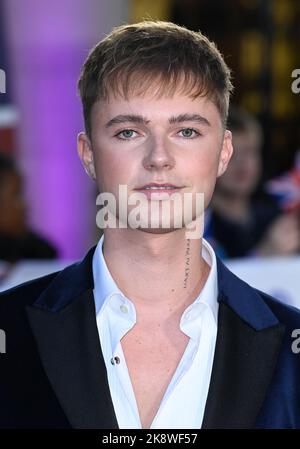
(53, 374)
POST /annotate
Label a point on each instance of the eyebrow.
(133, 118)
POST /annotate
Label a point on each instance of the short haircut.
(134, 57)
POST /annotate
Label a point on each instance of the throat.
(170, 278)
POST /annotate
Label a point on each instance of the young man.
(150, 330)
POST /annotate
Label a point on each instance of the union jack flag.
(286, 188)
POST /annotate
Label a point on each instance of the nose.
(158, 157)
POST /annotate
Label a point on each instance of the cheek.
(112, 169)
(203, 175)
(204, 167)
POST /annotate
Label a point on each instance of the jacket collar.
(63, 322)
(69, 283)
(77, 278)
(244, 300)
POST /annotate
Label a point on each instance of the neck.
(158, 272)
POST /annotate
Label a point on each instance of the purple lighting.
(48, 42)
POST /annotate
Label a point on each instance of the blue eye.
(125, 134)
(189, 133)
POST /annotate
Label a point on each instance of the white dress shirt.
(183, 404)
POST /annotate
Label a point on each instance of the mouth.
(158, 187)
(154, 189)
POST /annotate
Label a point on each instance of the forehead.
(155, 107)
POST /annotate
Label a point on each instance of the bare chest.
(152, 360)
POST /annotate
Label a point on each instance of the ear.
(226, 152)
(85, 152)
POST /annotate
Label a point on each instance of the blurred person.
(17, 240)
(150, 329)
(256, 221)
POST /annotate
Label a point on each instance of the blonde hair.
(135, 57)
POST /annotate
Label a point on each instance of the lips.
(159, 191)
(159, 186)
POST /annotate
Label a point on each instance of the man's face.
(169, 140)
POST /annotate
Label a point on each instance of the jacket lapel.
(65, 329)
(248, 342)
(63, 322)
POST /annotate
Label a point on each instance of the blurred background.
(47, 202)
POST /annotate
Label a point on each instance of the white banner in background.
(278, 276)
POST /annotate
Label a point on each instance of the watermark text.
(157, 210)
(296, 343)
(2, 82)
(296, 82)
(2, 342)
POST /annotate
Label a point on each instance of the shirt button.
(123, 308)
(115, 360)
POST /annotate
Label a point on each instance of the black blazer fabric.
(53, 374)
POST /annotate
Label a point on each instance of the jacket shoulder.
(286, 314)
(27, 292)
